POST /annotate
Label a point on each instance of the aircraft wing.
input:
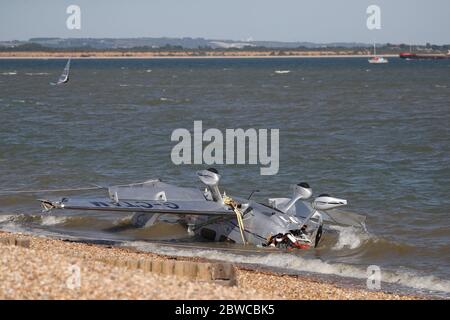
(333, 216)
(344, 217)
(181, 207)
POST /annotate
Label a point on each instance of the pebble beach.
(43, 268)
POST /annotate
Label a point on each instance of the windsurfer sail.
(64, 77)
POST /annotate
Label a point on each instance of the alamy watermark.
(236, 146)
(373, 277)
(374, 19)
(74, 279)
(73, 21)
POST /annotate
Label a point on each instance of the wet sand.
(44, 271)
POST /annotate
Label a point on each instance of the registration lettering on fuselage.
(136, 204)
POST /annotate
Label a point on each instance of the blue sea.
(376, 135)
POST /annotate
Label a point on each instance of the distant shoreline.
(174, 55)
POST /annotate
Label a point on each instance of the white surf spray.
(52, 220)
(282, 71)
(10, 73)
(36, 73)
(300, 264)
(6, 218)
(349, 237)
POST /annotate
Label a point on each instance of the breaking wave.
(37, 73)
(6, 218)
(165, 100)
(347, 242)
(47, 220)
(53, 220)
(350, 237)
(282, 71)
(11, 73)
(298, 264)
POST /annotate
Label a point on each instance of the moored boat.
(426, 56)
(377, 59)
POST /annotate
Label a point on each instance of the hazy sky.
(406, 21)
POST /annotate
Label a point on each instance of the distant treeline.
(386, 49)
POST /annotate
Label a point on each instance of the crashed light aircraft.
(296, 222)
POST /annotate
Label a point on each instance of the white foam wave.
(282, 71)
(36, 73)
(412, 280)
(6, 217)
(349, 237)
(300, 264)
(52, 220)
(11, 73)
(123, 220)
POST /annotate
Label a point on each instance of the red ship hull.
(411, 56)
